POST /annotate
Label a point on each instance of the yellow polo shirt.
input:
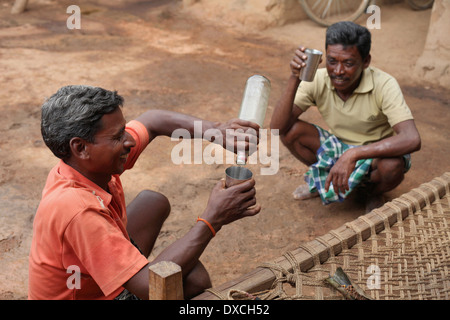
(367, 116)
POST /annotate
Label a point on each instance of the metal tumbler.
(308, 72)
(236, 175)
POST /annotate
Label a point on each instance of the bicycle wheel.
(327, 12)
(420, 4)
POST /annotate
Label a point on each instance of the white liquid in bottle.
(254, 106)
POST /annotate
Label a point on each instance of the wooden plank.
(165, 281)
(263, 278)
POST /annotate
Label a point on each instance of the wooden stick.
(19, 6)
(165, 281)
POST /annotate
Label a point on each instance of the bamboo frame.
(316, 252)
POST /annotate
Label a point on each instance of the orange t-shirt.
(80, 226)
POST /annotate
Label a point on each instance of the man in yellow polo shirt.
(371, 130)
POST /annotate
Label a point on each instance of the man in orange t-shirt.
(87, 244)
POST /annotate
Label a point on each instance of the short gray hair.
(75, 111)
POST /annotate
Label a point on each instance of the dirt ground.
(159, 55)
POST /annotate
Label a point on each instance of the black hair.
(348, 33)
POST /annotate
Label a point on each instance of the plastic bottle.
(253, 106)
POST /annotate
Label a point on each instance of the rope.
(408, 259)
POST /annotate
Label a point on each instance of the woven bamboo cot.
(400, 251)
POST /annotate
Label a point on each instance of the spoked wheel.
(420, 4)
(327, 12)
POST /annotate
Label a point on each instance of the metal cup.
(236, 175)
(308, 72)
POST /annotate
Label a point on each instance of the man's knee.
(197, 281)
(302, 133)
(391, 170)
(146, 214)
(299, 131)
(154, 200)
(391, 166)
(288, 139)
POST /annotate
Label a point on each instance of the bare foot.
(302, 193)
(374, 202)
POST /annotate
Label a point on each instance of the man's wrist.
(295, 77)
(211, 223)
(209, 125)
(353, 154)
(211, 228)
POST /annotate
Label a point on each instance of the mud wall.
(434, 65)
(259, 14)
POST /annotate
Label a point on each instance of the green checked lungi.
(331, 148)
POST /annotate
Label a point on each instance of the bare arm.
(138, 284)
(164, 123)
(286, 112)
(406, 140)
(224, 206)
